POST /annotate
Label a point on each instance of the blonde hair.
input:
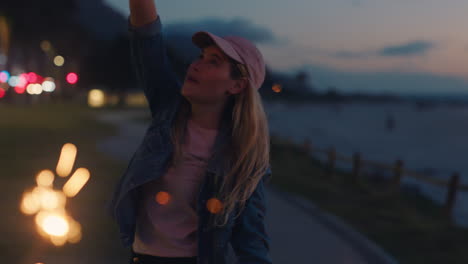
(247, 149)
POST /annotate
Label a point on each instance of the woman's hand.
(142, 12)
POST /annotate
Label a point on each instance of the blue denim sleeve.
(152, 65)
(249, 239)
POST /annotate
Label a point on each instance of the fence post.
(398, 173)
(331, 162)
(357, 165)
(452, 194)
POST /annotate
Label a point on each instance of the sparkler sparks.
(52, 220)
(66, 160)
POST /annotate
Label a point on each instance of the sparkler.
(48, 205)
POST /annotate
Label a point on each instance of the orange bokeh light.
(214, 205)
(163, 198)
(277, 88)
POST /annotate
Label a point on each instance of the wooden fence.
(398, 171)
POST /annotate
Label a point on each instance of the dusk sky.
(404, 46)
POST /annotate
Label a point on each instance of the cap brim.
(204, 38)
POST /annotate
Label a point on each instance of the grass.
(411, 228)
(31, 138)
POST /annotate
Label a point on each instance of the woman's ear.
(240, 85)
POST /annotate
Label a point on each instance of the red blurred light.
(32, 77)
(2, 93)
(23, 80)
(72, 78)
(19, 90)
(39, 79)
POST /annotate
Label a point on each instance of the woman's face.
(211, 73)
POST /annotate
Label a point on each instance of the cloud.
(351, 54)
(391, 81)
(413, 48)
(179, 34)
(237, 26)
(418, 47)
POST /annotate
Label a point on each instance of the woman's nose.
(195, 66)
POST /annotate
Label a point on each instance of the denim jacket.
(246, 234)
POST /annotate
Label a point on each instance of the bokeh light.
(13, 81)
(32, 77)
(72, 78)
(74, 235)
(96, 98)
(76, 182)
(53, 223)
(52, 220)
(30, 89)
(4, 76)
(58, 240)
(2, 93)
(45, 178)
(277, 88)
(34, 88)
(45, 45)
(48, 198)
(214, 205)
(59, 61)
(133, 99)
(29, 205)
(22, 80)
(48, 85)
(20, 90)
(66, 160)
(163, 198)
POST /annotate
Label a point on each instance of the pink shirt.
(170, 230)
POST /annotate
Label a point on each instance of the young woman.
(193, 191)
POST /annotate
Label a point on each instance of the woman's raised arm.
(153, 68)
(142, 12)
